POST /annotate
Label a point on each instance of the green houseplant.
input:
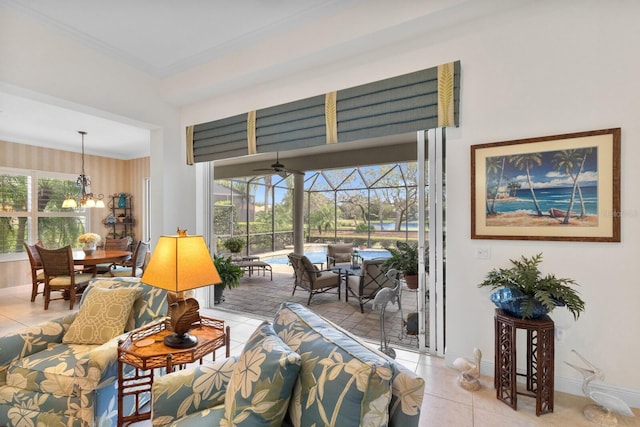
(230, 275)
(404, 257)
(234, 244)
(522, 290)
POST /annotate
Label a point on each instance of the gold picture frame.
(561, 187)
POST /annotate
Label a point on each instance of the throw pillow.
(102, 316)
(262, 381)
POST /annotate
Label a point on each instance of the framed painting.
(562, 187)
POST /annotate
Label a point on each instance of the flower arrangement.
(89, 238)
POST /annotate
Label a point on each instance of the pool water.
(321, 256)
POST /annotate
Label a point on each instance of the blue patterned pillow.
(262, 381)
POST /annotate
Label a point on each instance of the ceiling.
(166, 37)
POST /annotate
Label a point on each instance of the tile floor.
(444, 404)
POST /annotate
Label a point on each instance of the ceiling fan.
(279, 169)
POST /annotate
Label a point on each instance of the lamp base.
(180, 341)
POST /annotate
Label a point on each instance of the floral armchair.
(59, 373)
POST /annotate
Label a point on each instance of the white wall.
(542, 69)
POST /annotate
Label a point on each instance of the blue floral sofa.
(299, 370)
(54, 374)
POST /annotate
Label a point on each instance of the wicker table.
(540, 358)
(212, 335)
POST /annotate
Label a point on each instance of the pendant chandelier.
(87, 198)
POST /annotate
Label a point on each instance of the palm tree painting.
(526, 188)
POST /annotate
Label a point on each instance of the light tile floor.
(444, 404)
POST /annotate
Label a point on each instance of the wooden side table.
(540, 360)
(144, 350)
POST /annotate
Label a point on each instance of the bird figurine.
(469, 378)
(382, 298)
(606, 404)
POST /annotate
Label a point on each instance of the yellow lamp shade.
(180, 263)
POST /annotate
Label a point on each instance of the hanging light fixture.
(87, 198)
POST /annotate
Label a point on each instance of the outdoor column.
(298, 204)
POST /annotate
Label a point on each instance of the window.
(30, 210)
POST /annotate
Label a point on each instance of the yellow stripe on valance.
(190, 156)
(251, 132)
(331, 117)
(445, 95)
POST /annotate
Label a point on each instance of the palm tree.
(528, 161)
(571, 163)
(513, 187)
(495, 165)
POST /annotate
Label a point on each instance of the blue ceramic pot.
(122, 201)
(510, 301)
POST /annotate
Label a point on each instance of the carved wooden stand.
(211, 334)
(540, 357)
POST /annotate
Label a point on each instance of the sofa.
(64, 372)
(299, 370)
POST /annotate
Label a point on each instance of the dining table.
(99, 256)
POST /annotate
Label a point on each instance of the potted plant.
(522, 291)
(404, 257)
(234, 244)
(230, 275)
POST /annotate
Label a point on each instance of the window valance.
(411, 102)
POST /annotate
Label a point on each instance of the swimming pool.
(321, 256)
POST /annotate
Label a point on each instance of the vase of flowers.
(90, 240)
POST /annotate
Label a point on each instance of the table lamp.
(180, 263)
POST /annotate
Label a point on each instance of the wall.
(109, 176)
(541, 69)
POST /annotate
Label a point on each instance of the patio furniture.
(251, 266)
(60, 275)
(365, 285)
(37, 270)
(312, 279)
(338, 253)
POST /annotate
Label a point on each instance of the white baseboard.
(571, 385)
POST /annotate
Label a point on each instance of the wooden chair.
(111, 244)
(135, 266)
(310, 278)
(37, 271)
(60, 275)
(366, 285)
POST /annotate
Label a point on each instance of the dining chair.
(112, 244)
(135, 266)
(37, 271)
(60, 275)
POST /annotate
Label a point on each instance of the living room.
(529, 69)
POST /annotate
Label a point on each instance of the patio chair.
(312, 279)
(60, 275)
(370, 281)
(338, 253)
(37, 271)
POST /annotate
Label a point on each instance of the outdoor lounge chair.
(310, 278)
(370, 281)
(338, 253)
(251, 266)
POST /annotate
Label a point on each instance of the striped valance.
(421, 100)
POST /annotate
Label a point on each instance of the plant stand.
(540, 360)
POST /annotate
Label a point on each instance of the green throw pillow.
(102, 316)
(262, 381)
